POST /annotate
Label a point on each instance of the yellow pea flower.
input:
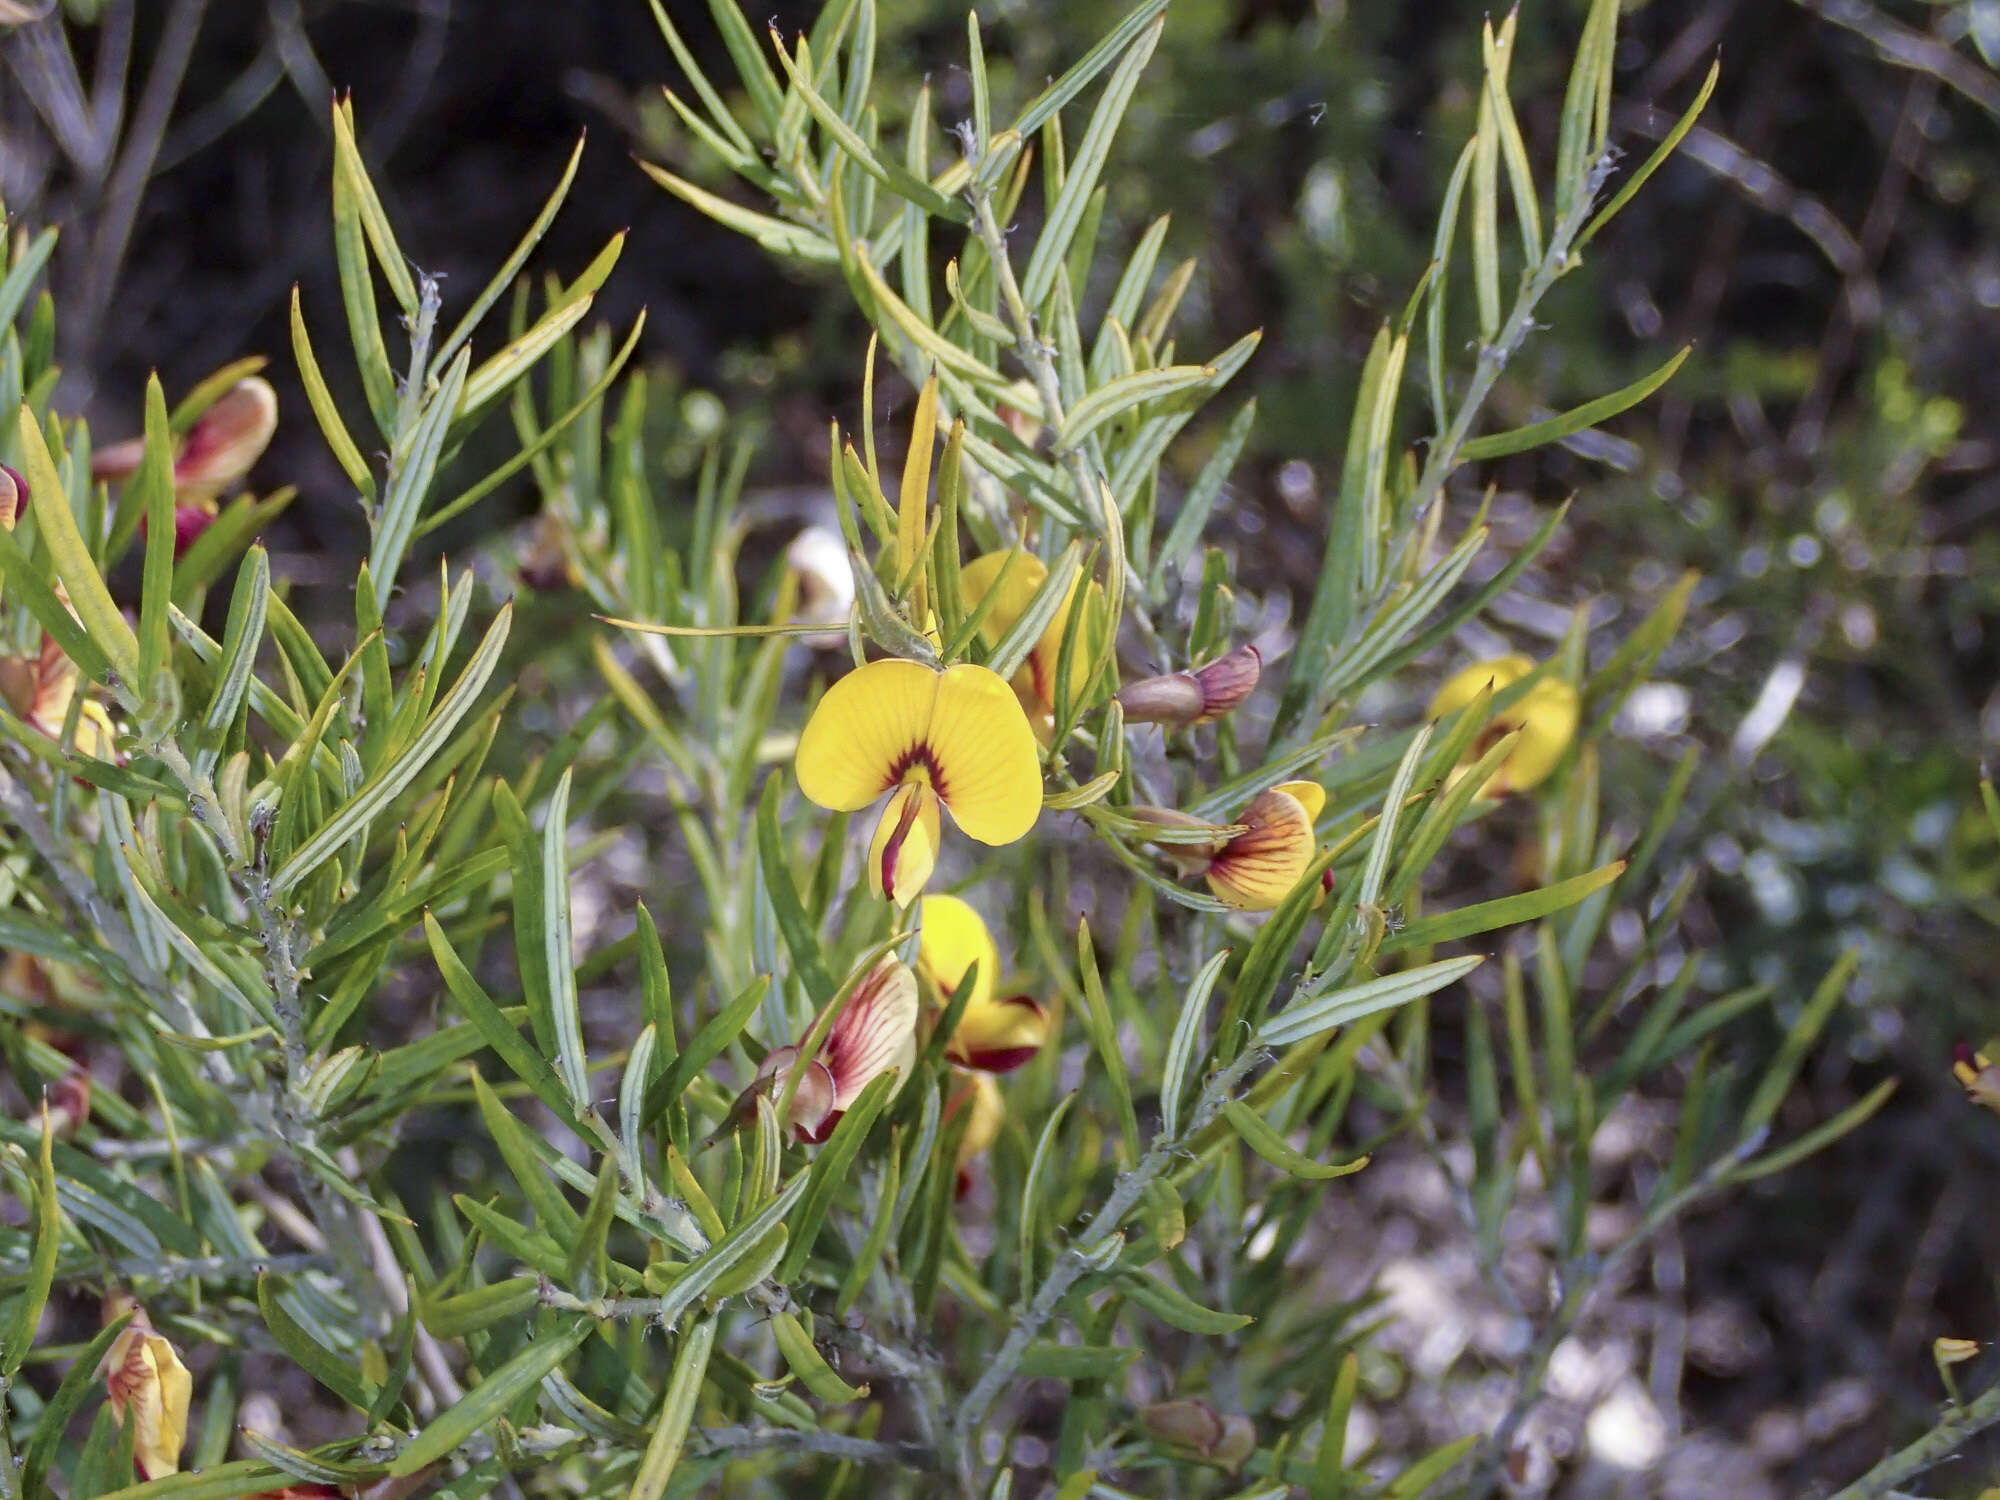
(1024, 575)
(147, 1383)
(1546, 719)
(995, 1033)
(225, 441)
(1257, 868)
(955, 738)
(876, 1031)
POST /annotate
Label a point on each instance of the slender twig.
(1085, 1255)
(809, 1440)
(127, 185)
(1582, 1281)
(1951, 1433)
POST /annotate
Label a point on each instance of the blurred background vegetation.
(1828, 240)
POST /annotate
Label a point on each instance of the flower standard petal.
(148, 1385)
(1257, 868)
(227, 439)
(954, 939)
(875, 1031)
(903, 852)
(867, 730)
(984, 759)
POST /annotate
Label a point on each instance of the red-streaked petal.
(228, 438)
(875, 1031)
(1258, 868)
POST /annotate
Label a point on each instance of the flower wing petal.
(985, 758)
(863, 733)
(1000, 1035)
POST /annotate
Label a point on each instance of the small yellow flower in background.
(995, 1033)
(1257, 868)
(225, 441)
(1545, 717)
(40, 691)
(955, 738)
(1977, 1076)
(149, 1386)
(1019, 576)
(1184, 699)
(875, 1031)
(979, 1093)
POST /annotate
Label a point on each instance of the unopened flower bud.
(1174, 699)
(1199, 1427)
(68, 1102)
(1184, 698)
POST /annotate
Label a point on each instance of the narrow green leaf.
(1258, 1135)
(560, 957)
(41, 1259)
(1505, 911)
(1651, 164)
(383, 787)
(1181, 1050)
(1576, 419)
(1311, 1014)
(803, 1358)
(488, 1401)
(1819, 1137)
(1172, 1306)
(705, 1046)
(1784, 1068)
(318, 1361)
(73, 563)
(677, 1405)
(338, 439)
(374, 222)
(1065, 216)
(501, 1035)
(412, 467)
(155, 483)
